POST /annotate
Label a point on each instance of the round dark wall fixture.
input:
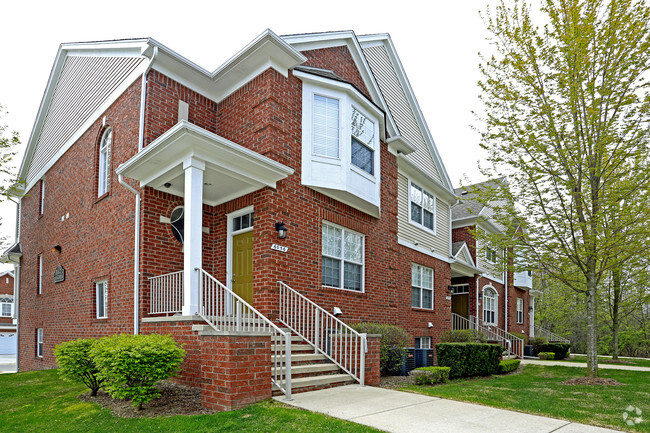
(177, 220)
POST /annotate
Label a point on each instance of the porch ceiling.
(231, 170)
(460, 269)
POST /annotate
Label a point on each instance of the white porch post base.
(193, 226)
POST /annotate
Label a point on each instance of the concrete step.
(328, 379)
(310, 369)
(307, 357)
(294, 348)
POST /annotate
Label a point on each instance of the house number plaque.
(280, 248)
(59, 274)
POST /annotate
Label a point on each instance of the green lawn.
(639, 362)
(537, 390)
(41, 402)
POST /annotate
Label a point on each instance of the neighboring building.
(8, 339)
(299, 177)
(482, 286)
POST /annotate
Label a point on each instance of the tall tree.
(566, 120)
(8, 144)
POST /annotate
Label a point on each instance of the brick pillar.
(372, 360)
(235, 371)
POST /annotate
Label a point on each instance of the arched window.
(104, 162)
(490, 304)
(177, 220)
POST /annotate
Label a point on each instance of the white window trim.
(432, 289)
(39, 342)
(41, 209)
(496, 304)
(435, 208)
(40, 274)
(487, 255)
(426, 339)
(103, 286)
(520, 303)
(342, 259)
(11, 309)
(103, 179)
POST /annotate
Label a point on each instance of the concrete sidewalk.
(584, 365)
(402, 412)
(7, 364)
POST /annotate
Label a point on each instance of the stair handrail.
(322, 329)
(550, 336)
(513, 344)
(224, 310)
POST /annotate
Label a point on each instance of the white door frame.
(229, 243)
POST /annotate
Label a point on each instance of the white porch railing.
(513, 344)
(166, 293)
(223, 310)
(331, 337)
(550, 337)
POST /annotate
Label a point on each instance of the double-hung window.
(363, 134)
(39, 342)
(423, 207)
(6, 307)
(326, 126)
(101, 299)
(104, 162)
(342, 258)
(489, 306)
(421, 287)
(422, 343)
(490, 255)
(39, 274)
(520, 310)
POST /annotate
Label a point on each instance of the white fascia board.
(412, 170)
(466, 256)
(348, 38)
(411, 245)
(126, 83)
(463, 268)
(491, 278)
(408, 90)
(349, 89)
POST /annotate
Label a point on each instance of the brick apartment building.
(297, 180)
(7, 324)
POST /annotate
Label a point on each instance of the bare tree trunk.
(616, 305)
(592, 327)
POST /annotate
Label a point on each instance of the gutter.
(505, 283)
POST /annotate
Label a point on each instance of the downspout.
(17, 282)
(476, 303)
(136, 257)
(505, 274)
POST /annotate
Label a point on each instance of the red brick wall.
(96, 241)
(339, 60)
(461, 234)
(6, 288)
(513, 326)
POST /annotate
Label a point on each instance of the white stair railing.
(513, 344)
(224, 310)
(344, 346)
(550, 337)
(166, 293)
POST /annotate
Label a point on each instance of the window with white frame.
(326, 126)
(101, 299)
(343, 258)
(363, 134)
(421, 287)
(490, 255)
(423, 207)
(422, 343)
(6, 307)
(520, 310)
(39, 342)
(39, 274)
(490, 302)
(41, 203)
(104, 172)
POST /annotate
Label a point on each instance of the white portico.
(203, 168)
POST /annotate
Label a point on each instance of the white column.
(192, 240)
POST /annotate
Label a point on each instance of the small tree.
(130, 365)
(76, 364)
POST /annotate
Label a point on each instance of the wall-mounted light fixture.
(167, 185)
(429, 325)
(450, 288)
(56, 249)
(480, 296)
(281, 229)
(337, 312)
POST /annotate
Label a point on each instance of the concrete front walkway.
(402, 412)
(584, 365)
(7, 364)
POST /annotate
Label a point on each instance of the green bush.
(508, 365)
(130, 365)
(536, 342)
(546, 355)
(561, 350)
(469, 359)
(393, 342)
(76, 364)
(463, 336)
(430, 375)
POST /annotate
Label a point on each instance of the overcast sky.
(438, 44)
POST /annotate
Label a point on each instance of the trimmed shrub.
(76, 364)
(469, 359)
(130, 365)
(546, 355)
(430, 375)
(508, 365)
(561, 350)
(463, 336)
(536, 342)
(393, 342)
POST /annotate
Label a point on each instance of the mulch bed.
(591, 381)
(175, 400)
(393, 382)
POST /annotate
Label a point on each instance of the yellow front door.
(242, 266)
(460, 305)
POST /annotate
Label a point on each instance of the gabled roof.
(460, 252)
(468, 205)
(11, 274)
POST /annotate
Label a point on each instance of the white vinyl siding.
(439, 242)
(393, 93)
(101, 299)
(343, 258)
(84, 84)
(421, 287)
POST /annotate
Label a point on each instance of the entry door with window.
(460, 300)
(242, 257)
